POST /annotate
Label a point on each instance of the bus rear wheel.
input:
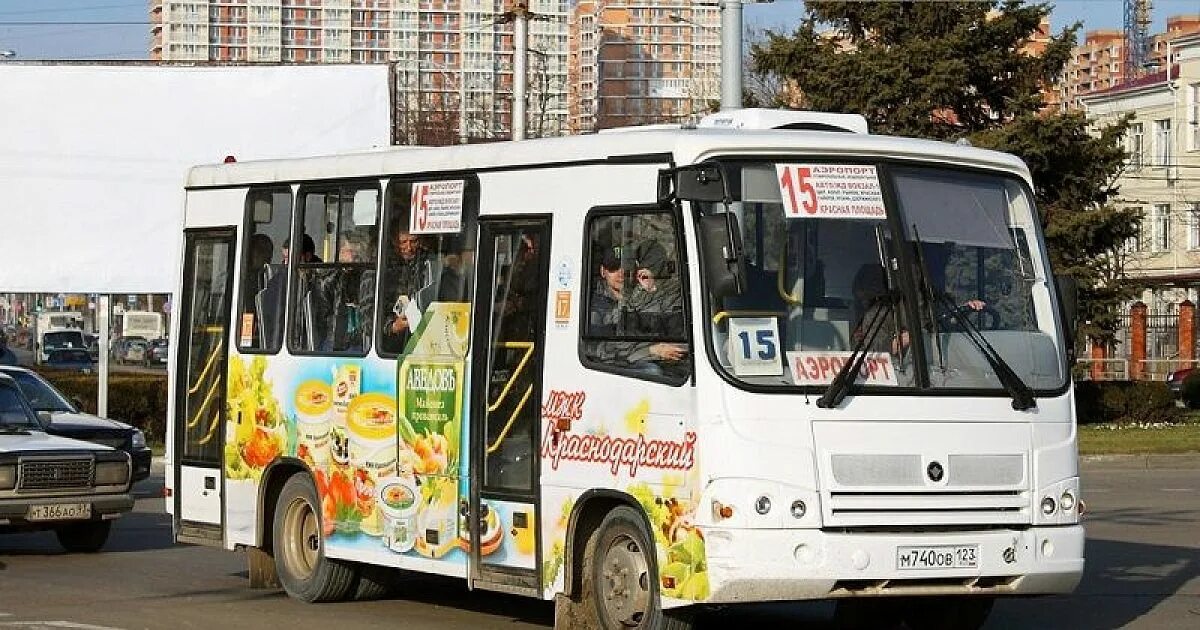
(304, 571)
(619, 589)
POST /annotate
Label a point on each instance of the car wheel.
(304, 571)
(619, 589)
(87, 537)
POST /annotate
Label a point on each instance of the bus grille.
(55, 474)
(868, 509)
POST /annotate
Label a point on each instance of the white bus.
(633, 372)
(58, 330)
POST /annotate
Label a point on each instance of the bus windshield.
(846, 256)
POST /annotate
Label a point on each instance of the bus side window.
(635, 320)
(334, 299)
(263, 279)
(418, 268)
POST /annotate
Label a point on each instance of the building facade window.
(1136, 146)
(1193, 225)
(1162, 142)
(1194, 117)
(1162, 228)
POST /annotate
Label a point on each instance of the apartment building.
(1099, 63)
(453, 59)
(1162, 178)
(636, 62)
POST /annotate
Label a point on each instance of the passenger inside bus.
(651, 309)
(269, 292)
(409, 270)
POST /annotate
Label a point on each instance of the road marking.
(54, 624)
(1178, 489)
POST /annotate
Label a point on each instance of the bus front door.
(201, 354)
(509, 339)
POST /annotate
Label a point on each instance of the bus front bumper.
(746, 565)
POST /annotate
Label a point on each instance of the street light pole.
(520, 76)
(731, 54)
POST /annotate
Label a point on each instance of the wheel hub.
(624, 582)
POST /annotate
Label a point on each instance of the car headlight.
(8, 477)
(139, 439)
(112, 473)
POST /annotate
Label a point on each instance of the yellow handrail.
(726, 314)
(511, 420)
(212, 430)
(528, 347)
(212, 359)
(203, 405)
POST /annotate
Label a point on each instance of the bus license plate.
(938, 557)
(59, 512)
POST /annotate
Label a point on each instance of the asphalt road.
(1143, 571)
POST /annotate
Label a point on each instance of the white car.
(71, 487)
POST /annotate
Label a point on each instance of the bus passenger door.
(506, 396)
(202, 351)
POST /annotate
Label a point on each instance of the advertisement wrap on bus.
(632, 373)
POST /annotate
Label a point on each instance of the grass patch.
(1139, 440)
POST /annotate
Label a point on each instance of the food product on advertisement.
(371, 423)
(398, 502)
(314, 401)
(347, 384)
(437, 519)
(257, 433)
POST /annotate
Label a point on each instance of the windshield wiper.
(840, 386)
(1022, 395)
(14, 429)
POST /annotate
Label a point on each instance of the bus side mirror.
(1068, 295)
(700, 183)
(725, 270)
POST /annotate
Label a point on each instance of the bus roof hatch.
(760, 118)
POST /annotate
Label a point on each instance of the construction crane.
(1137, 37)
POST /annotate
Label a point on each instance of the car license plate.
(938, 557)
(59, 512)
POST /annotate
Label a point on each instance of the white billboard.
(93, 157)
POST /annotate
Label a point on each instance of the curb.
(1143, 461)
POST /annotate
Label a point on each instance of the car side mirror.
(45, 418)
(77, 402)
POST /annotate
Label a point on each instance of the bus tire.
(373, 582)
(947, 613)
(304, 571)
(619, 589)
(86, 537)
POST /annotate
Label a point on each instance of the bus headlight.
(1058, 503)
(8, 477)
(112, 473)
(751, 504)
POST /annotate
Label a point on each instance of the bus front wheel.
(304, 571)
(619, 588)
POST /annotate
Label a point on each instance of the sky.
(86, 37)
